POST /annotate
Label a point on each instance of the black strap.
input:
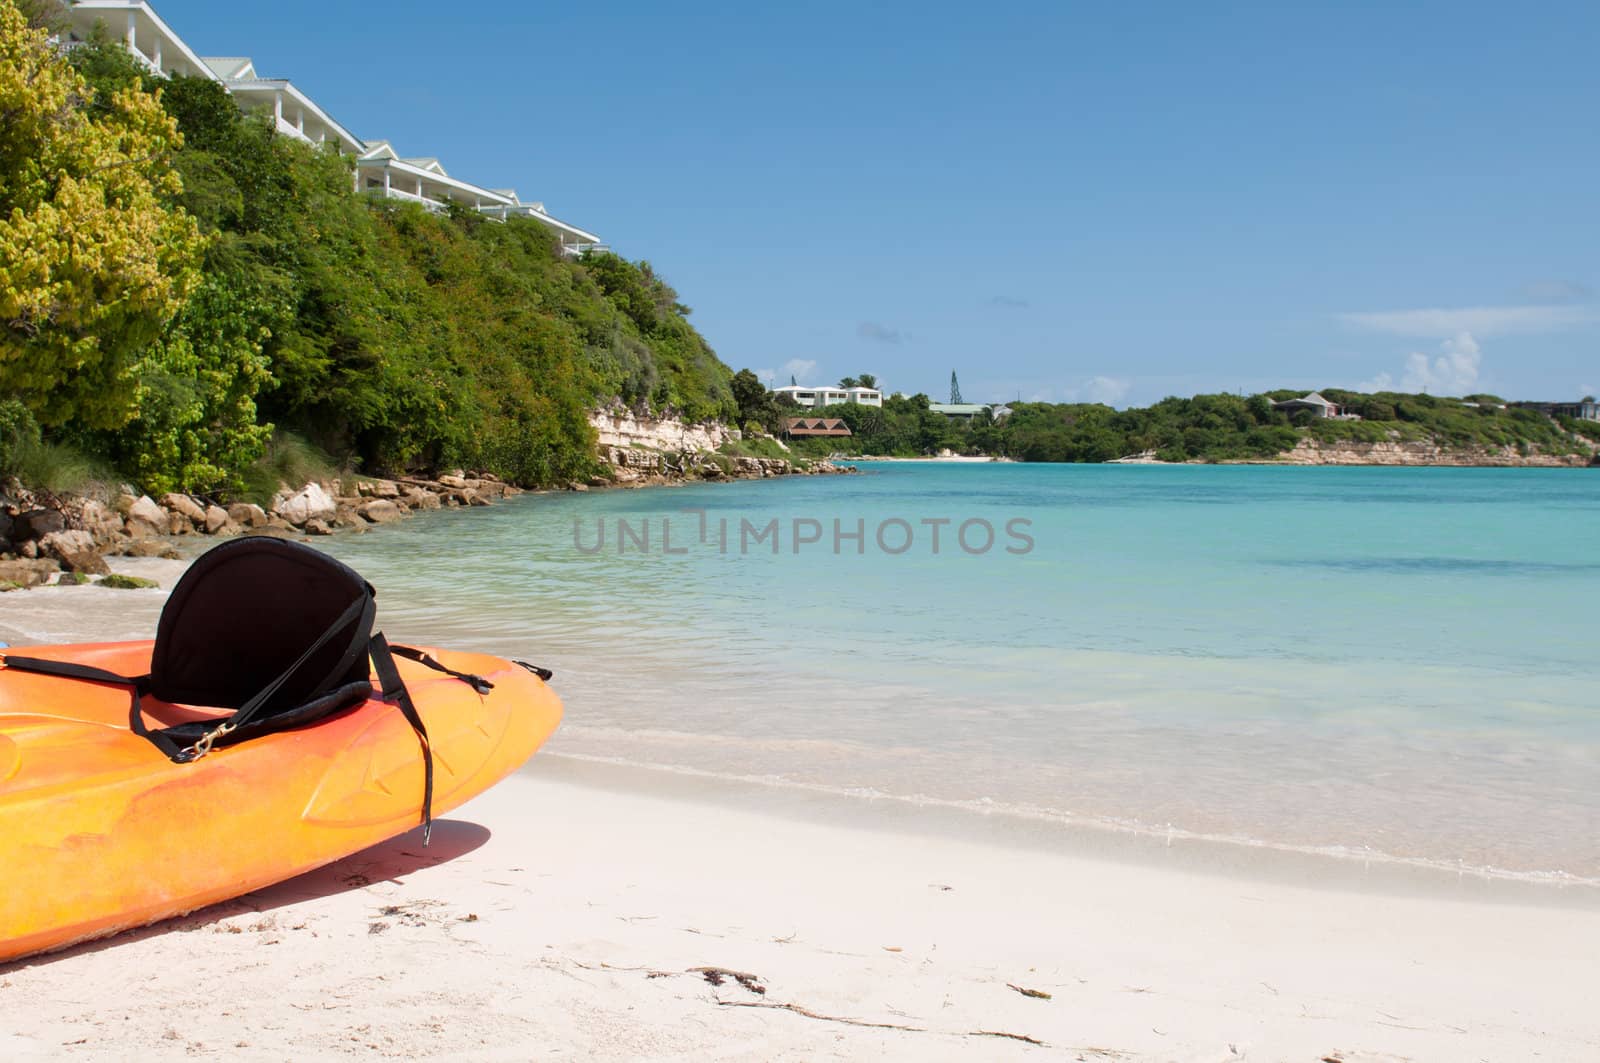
(70, 670)
(248, 710)
(543, 673)
(476, 682)
(138, 685)
(394, 689)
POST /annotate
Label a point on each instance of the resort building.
(379, 168)
(806, 427)
(961, 411)
(1316, 404)
(816, 398)
(1582, 410)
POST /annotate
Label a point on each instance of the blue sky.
(1061, 201)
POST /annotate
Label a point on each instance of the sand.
(583, 911)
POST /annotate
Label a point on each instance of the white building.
(293, 112)
(962, 411)
(816, 398)
(379, 167)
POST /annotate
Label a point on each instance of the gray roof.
(1313, 399)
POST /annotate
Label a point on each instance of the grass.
(58, 468)
(759, 447)
(290, 459)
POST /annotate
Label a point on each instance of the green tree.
(752, 397)
(93, 261)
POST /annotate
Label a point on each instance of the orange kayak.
(100, 832)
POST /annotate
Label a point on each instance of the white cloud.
(1106, 389)
(799, 368)
(1478, 320)
(1453, 371)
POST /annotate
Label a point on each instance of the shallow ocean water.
(1392, 663)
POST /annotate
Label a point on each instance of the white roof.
(428, 162)
(230, 67)
(256, 86)
(85, 13)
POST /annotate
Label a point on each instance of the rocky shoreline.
(46, 539)
(1414, 453)
(637, 466)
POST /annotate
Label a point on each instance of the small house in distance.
(807, 427)
(961, 411)
(1582, 410)
(1319, 407)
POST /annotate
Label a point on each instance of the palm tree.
(849, 382)
(868, 380)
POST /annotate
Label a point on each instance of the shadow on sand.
(389, 861)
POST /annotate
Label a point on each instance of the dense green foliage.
(388, 337)
(1203, 428)
(94, 260)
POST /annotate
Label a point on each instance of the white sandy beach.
(580, 911)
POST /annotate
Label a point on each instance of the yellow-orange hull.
(100, 832)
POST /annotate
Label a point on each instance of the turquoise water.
(1383, 662)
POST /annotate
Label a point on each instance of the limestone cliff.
(1426, 452)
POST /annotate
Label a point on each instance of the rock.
(277, 524)
(215, 519)
(146, 518)
(36, 524)
(316, 527)
(29, 549)
(347, 517)
(247, 514)
(178, 524)
(576, 486)
(28, 573)
(150, 548)
(73, 579)
(377, 489)
(118, 582)
(76, 552)
(101, 521)
(380, 511)
(455, 480)
(280, 530)
(176, 503)
(311, 502)
(599, 481)
(417, 498)
(6, 524)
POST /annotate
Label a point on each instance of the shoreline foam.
(554, 916)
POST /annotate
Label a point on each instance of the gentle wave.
(989, 807)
